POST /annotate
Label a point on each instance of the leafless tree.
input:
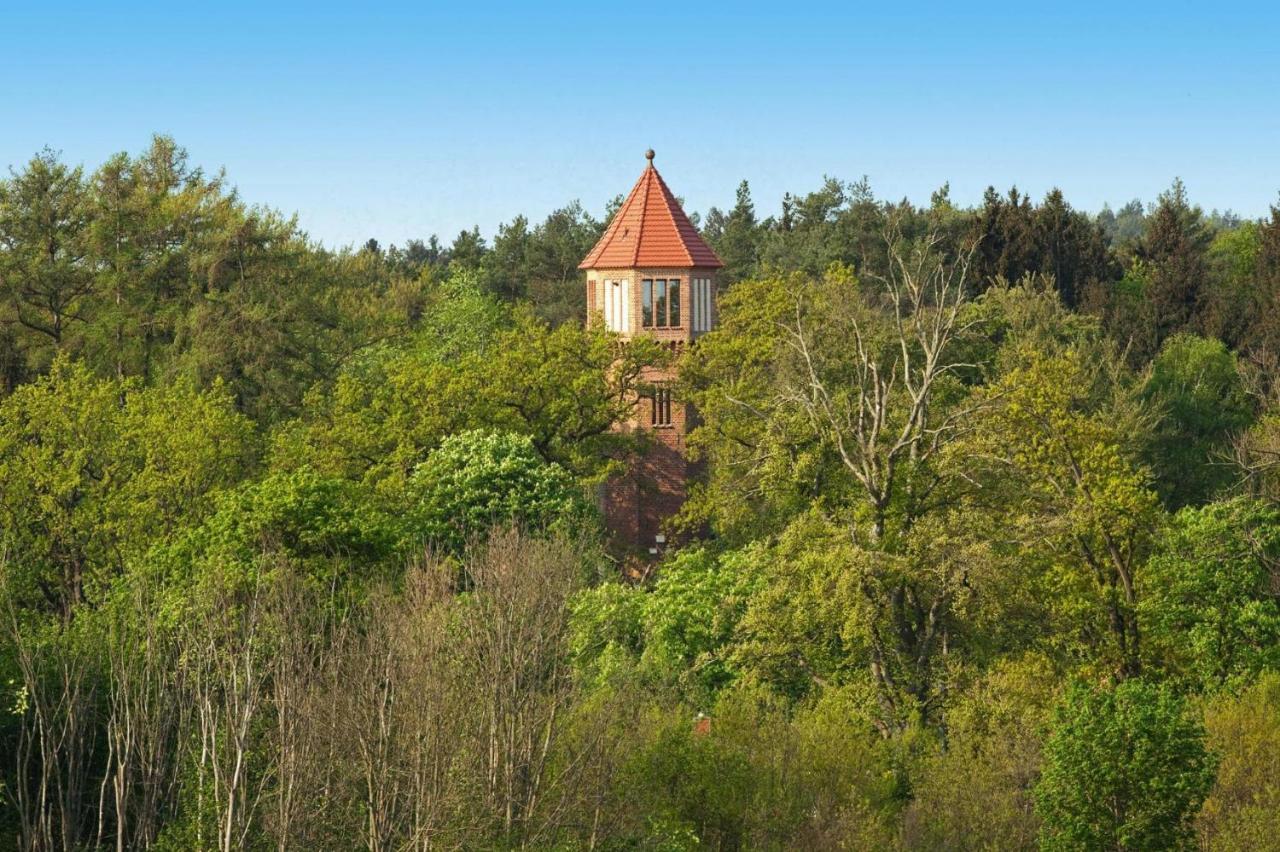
(146, 715)
(429, 714)
(55, 747)
(225, 649)
(431, 719)
(511, 631)
(865, 369)
(56, 730)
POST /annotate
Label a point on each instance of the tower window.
(660, 408)
(660, 302)
(701, 303)
(617, 305)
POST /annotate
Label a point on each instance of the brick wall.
(637, 504)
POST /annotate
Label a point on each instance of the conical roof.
(650, 230)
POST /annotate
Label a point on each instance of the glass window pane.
(646, 308)
(673, 301)
(660, 302)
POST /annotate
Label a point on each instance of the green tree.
(507, 265)
(1017, 239)
(1196, 385)
(1174, 250)
(1073, 249)
(558, 245)
(477, 480)
(735, 236)
(974, 792)
(1129, 224)
(764, 468)
(155, 223)
(1231, 296)
(474, 367)
(45, 282)
(1124, 227)
(1242, 811)
(391, 404)
(1208, 597)
(327, 528)
(93, 471)
(1058, 436)
(758, 777)
(840, 222)
(680, 632)
(836, 396)
(1263, 330)
(468, 249)
(1124, 768)
(1007, 247)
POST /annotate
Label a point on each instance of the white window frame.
(617, 305)
(701, 297)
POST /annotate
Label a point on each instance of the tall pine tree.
(1174, 252)
(736, 237)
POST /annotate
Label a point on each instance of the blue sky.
(398, 121)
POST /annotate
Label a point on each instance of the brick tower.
(652, 274)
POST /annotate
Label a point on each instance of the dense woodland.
(298, 548)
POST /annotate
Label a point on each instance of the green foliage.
(808, 624)
(976, 793)
(758, 777)
(44, 216)
(93, 472)
(1262, 294)
(1127, 311)
(391, 405)
(562, 387)
(771, 457)
(477, 480)
(607, 632)
(1242, 811)
(1196, 384)
(151, 269)
(541, 264)
(678, 634)
(763, 470)
(1208, 594)
(692, 615)
(1058, 436)
(328, 530)
(1175, 249)
(1016, 239)
(1124, 768)
(1230, 293)
(736, 237)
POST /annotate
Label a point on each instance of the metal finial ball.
(648, 155)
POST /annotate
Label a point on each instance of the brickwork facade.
(637, 505)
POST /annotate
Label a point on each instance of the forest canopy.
(299, 550)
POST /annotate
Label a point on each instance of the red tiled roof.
(650, 230)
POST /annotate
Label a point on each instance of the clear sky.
(399, 121)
